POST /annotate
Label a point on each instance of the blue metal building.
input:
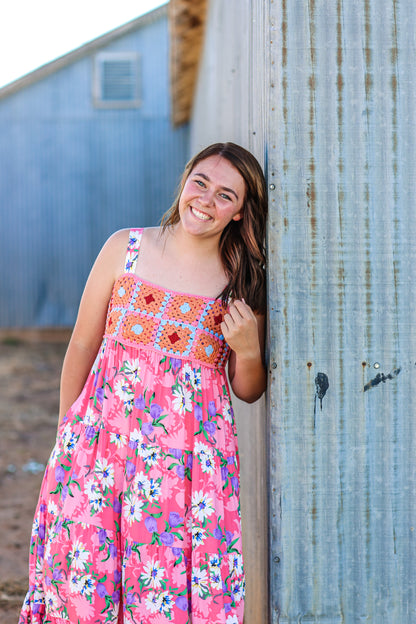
(86, 147)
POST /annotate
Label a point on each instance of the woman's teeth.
(200, 215)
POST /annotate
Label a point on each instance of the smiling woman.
(139, 511)
(49, 29)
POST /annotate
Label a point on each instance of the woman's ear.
(238, 216)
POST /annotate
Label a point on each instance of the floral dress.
(138, 518)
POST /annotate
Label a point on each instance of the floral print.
(138, 518)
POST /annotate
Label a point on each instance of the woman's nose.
(207, 197)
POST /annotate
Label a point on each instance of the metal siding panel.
(230, 105)
(342, 280)
(71, 175)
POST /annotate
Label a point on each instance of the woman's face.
(213, 195)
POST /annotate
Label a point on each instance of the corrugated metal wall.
(71, 174)
(342, 311)
(230, 105)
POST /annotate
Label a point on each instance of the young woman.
(138, 518)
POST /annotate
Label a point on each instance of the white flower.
(166, 602)
(214, 561)
(136, 436)
(92, 488)
(235, 564)
(51, 601)
(207, 463)
(232, 619)
(69, 439)
(74, 582)
(141, 481)
(153, 573)
(105, 472)
(118, 439)
(152, 490)
(97, 502)
(196, 379)
(215, 578)
(202, 506)
(237, 590)
(89, 416)
(186, 374)
(201, 449)
(52, 508)
(132, 370)
(199, 581)
(227, 412)
(78, 555)
(150, 456)
(198, 536)
(133, 508)
(183, 400)
(86, 585)
(124, 392)
(153, 602)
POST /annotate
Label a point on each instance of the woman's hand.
(240, 330)
(244, 332)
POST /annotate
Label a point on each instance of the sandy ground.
(30, 367)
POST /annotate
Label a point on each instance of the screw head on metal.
(272, 187)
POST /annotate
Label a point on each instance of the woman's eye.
(200, 183)
(225, 196)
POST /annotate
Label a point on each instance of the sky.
(34, 32)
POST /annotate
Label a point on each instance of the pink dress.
(138, 518)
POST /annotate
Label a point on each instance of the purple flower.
(59, 474)
(116, 596)
(41, 551)
(49, 561)
(182, 603)
(133, 444)
(113, 551)
(90, 432)
(41, 531)
(128, 552)
(64, 492)
(117, 505)
(235, 483)
(177, 552)
(176, 363)
(212, 410)
(198, 412)
(177, 453)
(174, 519)
(48, 581)
(99, 393)
(130, 469)
(147, 428)
(101, 590)
(155, 410)
(230, 460)
(210, 427)
(56, 574)
(102, 536)
(167, 538)
(151, 524)
(42, 507)
(224, 472)
(36, 607)
(130, 598)
(228, 537)
(139, 402)
(227, 606)
(217, 533)
(58, 527)
(180, 471)
(117, 576)
(189, 461)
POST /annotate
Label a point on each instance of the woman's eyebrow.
(224, 188)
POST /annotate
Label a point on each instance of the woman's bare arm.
(89, 327)
(244, 332)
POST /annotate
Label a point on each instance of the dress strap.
(135, 237)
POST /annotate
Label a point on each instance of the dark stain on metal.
(309, 364)
(321, 387)
(363, 364)
(381, 378)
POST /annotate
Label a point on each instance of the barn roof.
(81, 52)
(187, 25)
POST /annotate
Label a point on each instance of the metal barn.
(86, 147)
(324, 94)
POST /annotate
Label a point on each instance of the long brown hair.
(241, 244)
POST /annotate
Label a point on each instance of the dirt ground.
(30, 366)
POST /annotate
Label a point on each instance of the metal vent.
(116, 81)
